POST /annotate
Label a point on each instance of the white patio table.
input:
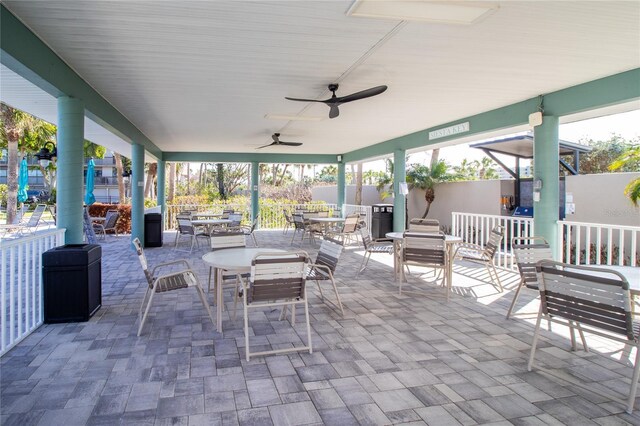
(326, 221)
(631, 274)
(237, 260)
(397, 237)
(209, 223)
(205, 215)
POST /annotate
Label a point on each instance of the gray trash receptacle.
(381, 220)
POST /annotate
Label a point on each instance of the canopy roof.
(200, 76)
(522, 146)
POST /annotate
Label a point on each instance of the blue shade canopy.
(23, 181)
(89, 198)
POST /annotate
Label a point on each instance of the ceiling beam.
(616, 89)
(243, 157)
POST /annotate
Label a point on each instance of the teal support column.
(342, 187)
(255, 190)
(161, 179)
(137, 192)
(545, 164)
(399, 202)
(70, 168)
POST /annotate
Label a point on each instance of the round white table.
(236, 260)
(206, 214)
(210, 222)
(397, 237)
(326, 221)
(630, 273)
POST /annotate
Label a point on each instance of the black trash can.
(153, 230)
(72, 282)
(381, 220)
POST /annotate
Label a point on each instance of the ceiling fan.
(334, 102)
(277, 141)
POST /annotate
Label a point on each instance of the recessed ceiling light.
(292, 117)
(443, 12)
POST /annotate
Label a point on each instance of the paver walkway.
(389, 360)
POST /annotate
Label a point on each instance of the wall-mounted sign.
(448, 131)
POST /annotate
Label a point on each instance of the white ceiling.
(201, 75)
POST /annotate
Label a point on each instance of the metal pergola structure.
(521, 147)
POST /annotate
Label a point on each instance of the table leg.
(219, 299)
(397, 264)
(450, 252)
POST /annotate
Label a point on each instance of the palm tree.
(22, 132)
(629, 159)
(385, 180)
(426, 178)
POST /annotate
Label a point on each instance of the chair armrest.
(321, 268)
(468, 247)
(175, 262)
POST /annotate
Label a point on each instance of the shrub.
(3, 195)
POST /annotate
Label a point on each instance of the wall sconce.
(45, 155)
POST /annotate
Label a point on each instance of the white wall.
(480, 196)
(600, 199)
(329, 194)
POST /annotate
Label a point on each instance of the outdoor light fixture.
(440, 12)
(46, 155)
(339, 158)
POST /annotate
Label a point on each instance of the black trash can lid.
(72, 255)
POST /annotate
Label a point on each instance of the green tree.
(328, 174)
(630, 160)
(426, 178)
(385, 180)
(604, 153)
(20, 133)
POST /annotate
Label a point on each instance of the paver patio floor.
(390, 360)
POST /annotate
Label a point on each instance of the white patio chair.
(222, 241)
(170, 281)
(277, 279)
(372, 246)
(325, 266)
(528, 251)
(595, 300)
(427, 250)
(483, 255)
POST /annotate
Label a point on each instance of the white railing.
(271, 214)
(21, 303)
(598, 244)
(475, 229)
(363, 211)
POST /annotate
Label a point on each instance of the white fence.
(271, 214)
(476, 228)
(598, 244)
(21, 301)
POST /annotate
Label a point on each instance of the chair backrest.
(143, 261)
(277, 276)
(235, 218)
(287, 217)
(366, 238)
(298, 220)
(528, 251)
(329, 254)
(253, 225)
(424, 248)
(424, 225)
(308, 215)
(226, 240)
(491, 247)
(111, 219)
(185, 226)
(350, 223)
(596, 297)
(36, 215)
